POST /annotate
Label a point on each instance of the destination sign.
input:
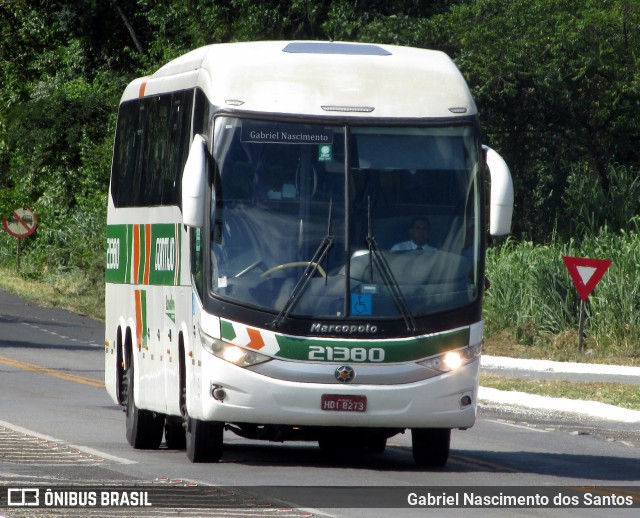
(274, 133)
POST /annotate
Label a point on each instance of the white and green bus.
(261, 271)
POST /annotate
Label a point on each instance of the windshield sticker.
(268, 133)
(361, 304)
(325, 153)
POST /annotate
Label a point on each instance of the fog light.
(218, 393)
(465, 401)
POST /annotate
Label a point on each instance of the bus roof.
(318, 78)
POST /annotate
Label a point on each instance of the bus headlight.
(231, 353)
(451, 360)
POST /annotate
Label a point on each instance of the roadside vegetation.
(532, 308)
(556, 83)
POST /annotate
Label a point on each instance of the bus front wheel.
(204, 440)
(431, 446)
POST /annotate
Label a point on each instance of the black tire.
(144, 427)
(431, 446)
(121, 380)
(174, 434)
(375, 444)
(204, 440)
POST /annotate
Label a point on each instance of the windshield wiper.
(312, 266)
(375, 255)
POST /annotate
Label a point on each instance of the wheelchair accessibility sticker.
(361, 304)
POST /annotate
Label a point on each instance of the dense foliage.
(557, 83)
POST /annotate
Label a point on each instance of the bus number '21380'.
(346, 354)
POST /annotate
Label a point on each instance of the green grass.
(73, 291)
(562, 347)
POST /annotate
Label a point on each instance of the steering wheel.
(295, 264)
(253, 265)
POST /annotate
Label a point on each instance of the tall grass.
(533, 296)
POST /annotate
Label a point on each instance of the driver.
(419, 230)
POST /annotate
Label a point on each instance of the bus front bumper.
(236, 395)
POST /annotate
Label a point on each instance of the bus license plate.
(344, 403)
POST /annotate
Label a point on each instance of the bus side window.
(156, 141)
(179, 139)
(151, 147)
(127, 149)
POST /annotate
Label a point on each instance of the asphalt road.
(59, 427)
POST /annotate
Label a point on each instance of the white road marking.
(84, 449)
(57, 335)
(523, 427)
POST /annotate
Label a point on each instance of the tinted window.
(151, 148)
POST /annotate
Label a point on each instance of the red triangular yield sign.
(586, 273)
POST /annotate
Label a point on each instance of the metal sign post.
(583, 313)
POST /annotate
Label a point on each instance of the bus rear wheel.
(375, 444)
(431, 446)
(204, 440)
(144, 427)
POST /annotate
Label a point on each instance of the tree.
(557, 83)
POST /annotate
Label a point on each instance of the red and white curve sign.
(22, 223)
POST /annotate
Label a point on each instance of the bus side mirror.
(501, 202)
(194, 180)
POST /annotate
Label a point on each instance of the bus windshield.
(345, 221)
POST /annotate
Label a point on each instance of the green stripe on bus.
(159, 257)
(332, 350)
(118, 248)
(395, 351)
(165, 253)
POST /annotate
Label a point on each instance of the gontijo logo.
(165, 254)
